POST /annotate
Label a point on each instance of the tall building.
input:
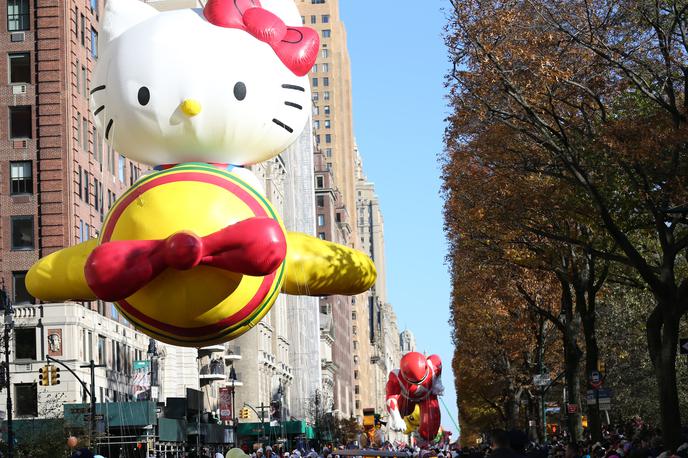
(382, 322)
(333, 131)
(407, 342)
(336, 343)
(304, 319)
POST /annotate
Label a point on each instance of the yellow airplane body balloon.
(203, 305)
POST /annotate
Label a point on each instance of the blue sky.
(398, 63)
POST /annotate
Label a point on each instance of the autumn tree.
(591, 96)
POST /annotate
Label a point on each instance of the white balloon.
(170, 87)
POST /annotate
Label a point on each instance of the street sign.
(595, 379)
(571, 408)
(605, 396)
(683, 344)
(541, 380)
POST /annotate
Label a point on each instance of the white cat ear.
(121, 15)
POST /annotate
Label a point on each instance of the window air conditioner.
(16, 37)
(19, 89)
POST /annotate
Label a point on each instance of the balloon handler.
(194, 253)
(412, 392)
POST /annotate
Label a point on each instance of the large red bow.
(296, 47)
(116, 270)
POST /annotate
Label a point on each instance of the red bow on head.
(296, 47)
(116, 270)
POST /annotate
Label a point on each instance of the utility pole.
(233, 377)
(92, 366)
(9, 324)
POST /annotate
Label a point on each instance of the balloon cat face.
(174, 87)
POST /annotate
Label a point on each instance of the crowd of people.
(633, 439)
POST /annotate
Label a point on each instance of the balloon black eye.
(240, 91)
(144, 96)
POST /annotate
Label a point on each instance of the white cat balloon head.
(226, 84)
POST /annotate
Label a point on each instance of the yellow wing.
(317, 267)
(60, 275)
(314, 267)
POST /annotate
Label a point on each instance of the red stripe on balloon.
(221, 325)
(221, 182)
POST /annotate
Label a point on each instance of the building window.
(314, 19)
(94, 43)
(20, 67)
(84, 88)
(315, 68)
(328, 124)
(319, 182)
(317, 139)
(84, 134)
(326, 18)
(314, 82)
(121, 169)
(20, 122)
(328, 152)
(101, 349)
(21, 177)
(326, 33)
(325, 53)
(17, 15)
(22, 232)
(326, 95)
(81, 183)
(321, 235)
(316, 124)
(25, 343)
(314, 96)
(25, 400)
(326, 109)
(317, 2)
(321, 220)
(328, 138)
(316, 110)
(76, 23)
(21, 294)
(320, 201)
(78, 81)
(83, 30)
(356, 374)
(326, 81)
(94, 6)
(87, 188)
(357, 389)
(95, 194)
(325, 68)
(338, 217)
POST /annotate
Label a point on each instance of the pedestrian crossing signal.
(54, 375)
(44, 376)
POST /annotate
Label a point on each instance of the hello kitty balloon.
(194, 253)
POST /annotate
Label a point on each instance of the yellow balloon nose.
(190, 107)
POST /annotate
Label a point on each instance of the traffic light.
(243, 413)
(44, 376)
(54, 375)
(601, 367)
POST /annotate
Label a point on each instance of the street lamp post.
(233, 377)
(317, 415)
(9, 324)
